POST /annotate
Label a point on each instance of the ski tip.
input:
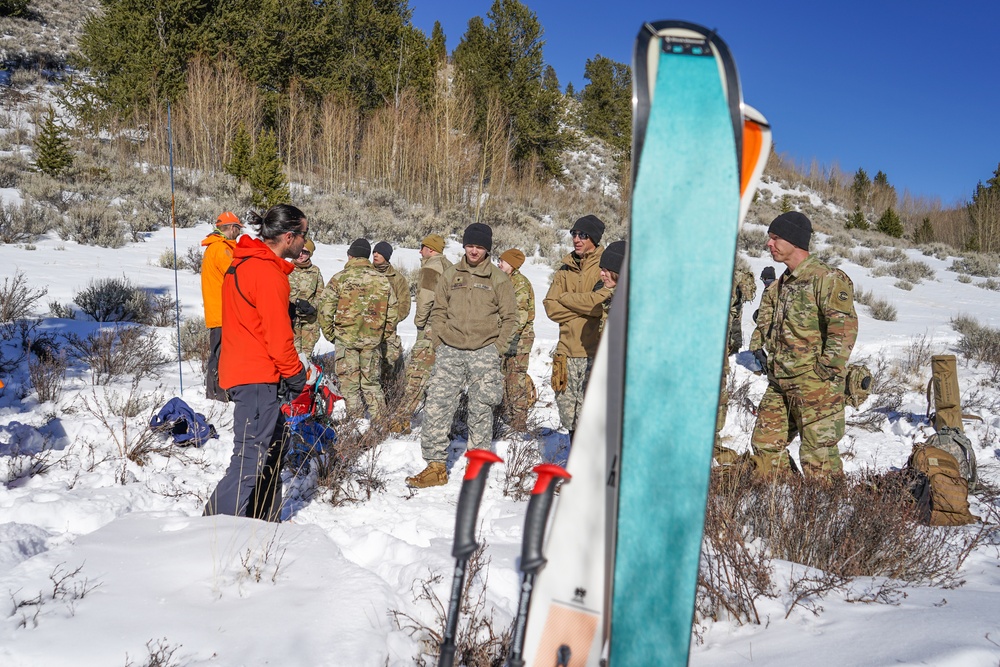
(478, 458)
(546, 473)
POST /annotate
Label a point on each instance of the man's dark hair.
(278, 219)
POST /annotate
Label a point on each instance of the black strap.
(232, 271)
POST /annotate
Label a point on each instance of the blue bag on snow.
(185, 425)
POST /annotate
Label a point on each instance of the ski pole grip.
(473, 484)
(532, 560)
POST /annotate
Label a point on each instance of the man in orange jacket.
(218, 255)
(258, 353)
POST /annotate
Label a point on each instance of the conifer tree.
(242, 157)
(570, 90)
(924, 233)
(439, 45)
(14, 8)
(861, 188)
(606, 102)
(503, 61)
(984, 214)
(890, 224)
(52, 151)
(786, 204)
(268, 185)
(856, 220)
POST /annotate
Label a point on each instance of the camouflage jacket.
(431, 269)
(744, 287)
(524, 297)
(813, 324)
(401, 287)
(358, 308)
(473, 307)
(306, 283)
(575, 302)
(764, 312)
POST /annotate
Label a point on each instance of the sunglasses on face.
(302, 234)
(577, 234)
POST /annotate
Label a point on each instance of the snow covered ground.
(103, 562)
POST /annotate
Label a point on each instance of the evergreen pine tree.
(890, 224)
(439, 45)
(503, 61)
(52, 150)
(786, 204)
(924, 233)
(606, 102)
(14, 8)
(856, 220)
(242, 155)
(861, 188)
(570, 90)
(268, 185)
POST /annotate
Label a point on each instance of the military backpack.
(942, 494)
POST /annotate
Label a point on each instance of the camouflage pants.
(418, 370)
(455, 370)
(805, 406)
(519, 390)
(723, 455)
(391, 350)
(570, 400)
(358, 375)
(735, 341)
(306, 336)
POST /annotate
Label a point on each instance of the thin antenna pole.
(173, 226)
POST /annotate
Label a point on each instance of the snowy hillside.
(105, 562)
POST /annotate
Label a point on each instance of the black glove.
(761, 357)
(304, 309)
(295, 384)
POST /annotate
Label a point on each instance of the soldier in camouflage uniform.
(392, 347)
(574, 301)
(472, 326)
(356, 314)
(418, 369)
(744, 290)
(808, 339)
(306, 283)
(762, 317)
(519, 390)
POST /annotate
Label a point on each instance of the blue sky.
(911, 88)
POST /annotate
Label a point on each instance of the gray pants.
(455, 370)
(212, 389)
(251, 486)
(570, 400)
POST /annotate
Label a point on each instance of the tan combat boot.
(435, 474)
(400, 425)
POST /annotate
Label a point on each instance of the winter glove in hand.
(560, 375)
(295, 384)
(304, 309)
(761, 357)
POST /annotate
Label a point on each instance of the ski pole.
(532, 560)
(473, 484)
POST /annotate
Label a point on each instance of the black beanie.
(592, 226)
(794, 227)
(767, 273)
(383, 248)
(360, 248)
(613, 256)
(478, 234)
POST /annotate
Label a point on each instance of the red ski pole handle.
(537, 516)
(473, 485)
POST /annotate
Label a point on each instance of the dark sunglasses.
(583, 236)
(302, 234)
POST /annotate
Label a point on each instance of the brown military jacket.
(474, 307)
(573, 302)
(431, 269)
(401, 287)
(813, 324)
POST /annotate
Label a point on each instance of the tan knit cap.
(514, 257)
(434, 242)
